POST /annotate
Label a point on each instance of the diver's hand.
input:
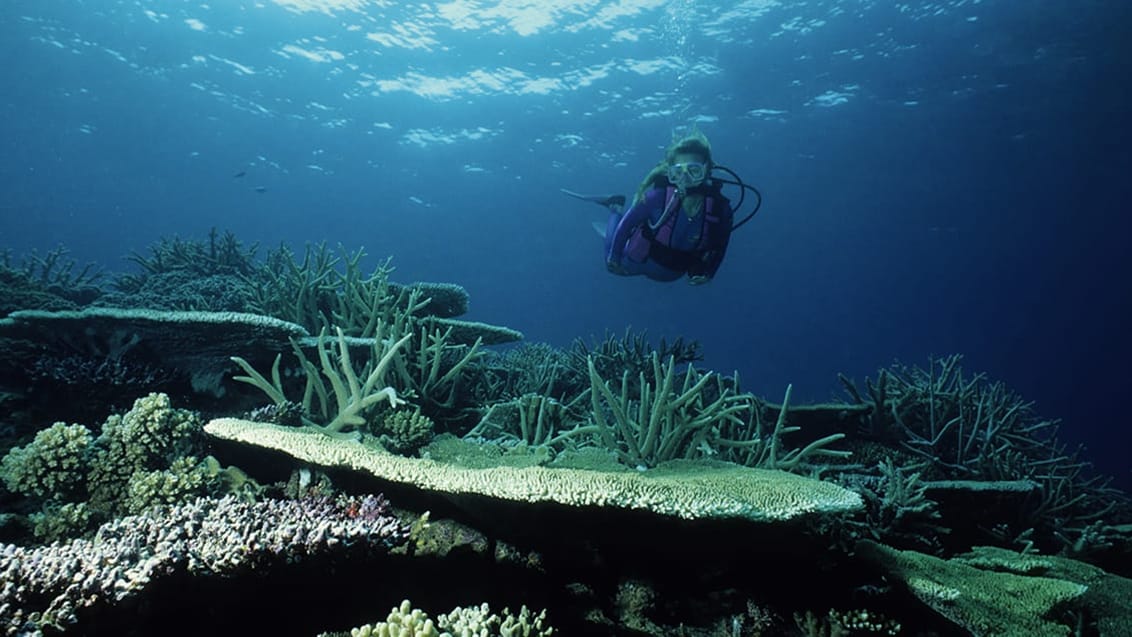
(616, 268)
(698, 279)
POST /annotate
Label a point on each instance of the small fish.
(260, 189)
(240, 174)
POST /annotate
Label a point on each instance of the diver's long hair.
(694, 142)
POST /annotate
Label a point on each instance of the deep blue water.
(940, 177)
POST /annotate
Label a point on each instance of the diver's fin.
(602, 200)
(599, 228)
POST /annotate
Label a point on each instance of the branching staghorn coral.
(967, 427)
(294, 290)
(530, 368)
(325, 289)
(631, 352)
(363, 301)
(664, 422)
(220, 255)
(49, 282)
(745, 440)
(541, 422)
(898, 511)
(54, 269)
(432, 369)
(351, 395)
(959, 424)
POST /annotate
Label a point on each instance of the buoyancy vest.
(659, 236)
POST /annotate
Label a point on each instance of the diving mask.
(688, 174)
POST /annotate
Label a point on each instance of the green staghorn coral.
(653, 420)
(326, 288)
(344, 404)
(533, 420)
(666, 421)
(746, 440)
(432, 367)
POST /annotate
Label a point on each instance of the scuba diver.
(679, 222)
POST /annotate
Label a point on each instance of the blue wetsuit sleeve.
(636, 216)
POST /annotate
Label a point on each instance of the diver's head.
(688, 161)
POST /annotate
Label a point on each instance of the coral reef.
(746, 441)
(406, 621)
(530, 368)
(193, 346)
(324, 290)
(174, 325)
(52, 586)
(432, 369)
(985, 601)
(141, 458)
(648, 421)
(617, 484)
(837, 623)
(49, 282)
(222, 254)
(471, 332)
(966, 427)
(404, 432)
(54, 465)
(898, 510)
(664, 422)
(352, 396)
(631, 353)
(182, 290)
(149, 437)
(540, 420)
(682, 489)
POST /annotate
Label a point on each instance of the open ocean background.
(939, 177)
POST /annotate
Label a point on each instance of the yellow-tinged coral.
(525, 624)
(402, 621)
(469, 621)
(54, 465)
(480, 621)
(684, 489)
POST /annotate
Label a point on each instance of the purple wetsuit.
(664, 247)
